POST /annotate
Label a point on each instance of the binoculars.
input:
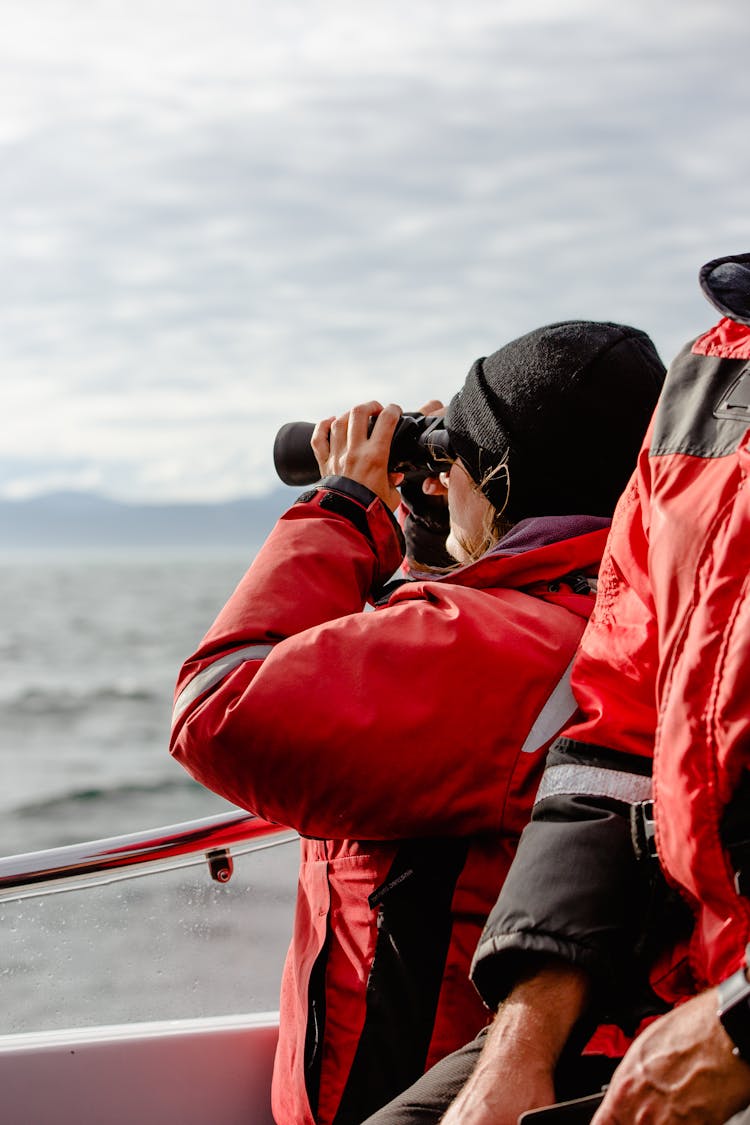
(419, 443)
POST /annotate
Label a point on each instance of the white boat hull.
(214, 1071)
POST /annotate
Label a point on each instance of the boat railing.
(213, 840)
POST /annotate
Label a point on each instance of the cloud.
(212, 226)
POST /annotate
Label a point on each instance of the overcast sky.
(220, 217)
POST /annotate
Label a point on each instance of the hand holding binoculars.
(418, 443)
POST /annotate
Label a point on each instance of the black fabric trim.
(306, 497)
(701, 412)
(414, 932)
(349, 509)
(356, 498)
(315, 1029)
(348, 487)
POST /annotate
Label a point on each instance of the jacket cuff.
(348, 487)
(365, 511)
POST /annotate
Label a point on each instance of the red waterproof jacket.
(405, 744)
(674, 625)
(663, 680)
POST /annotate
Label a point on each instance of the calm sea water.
(89, 652)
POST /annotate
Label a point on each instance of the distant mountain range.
(80, 519)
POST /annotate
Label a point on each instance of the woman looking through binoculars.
(406, 744)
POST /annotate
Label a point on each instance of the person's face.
(469, 510)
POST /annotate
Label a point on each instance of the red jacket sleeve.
(407, 720)
(614, 676)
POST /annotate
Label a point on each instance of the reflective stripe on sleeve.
(559, 708)
(593, 781)
(214, 674)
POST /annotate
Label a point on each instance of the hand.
(433, 409)
(433, 486)
(424, 495)
(343, 447)
(680, 1069)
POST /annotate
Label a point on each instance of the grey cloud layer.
(201, 244)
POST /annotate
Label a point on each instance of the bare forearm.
(516, 1069)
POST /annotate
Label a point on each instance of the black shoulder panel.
(704, 409)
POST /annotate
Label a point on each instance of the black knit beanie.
(565, 408)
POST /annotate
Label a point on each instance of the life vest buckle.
(643, 830)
